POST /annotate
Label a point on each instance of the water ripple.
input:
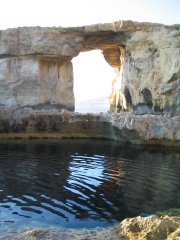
(84, 184)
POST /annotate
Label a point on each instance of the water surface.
(84, 183)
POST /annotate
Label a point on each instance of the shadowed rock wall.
(124, 127)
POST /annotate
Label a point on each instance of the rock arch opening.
(92, 82)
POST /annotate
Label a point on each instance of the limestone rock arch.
(36, 68)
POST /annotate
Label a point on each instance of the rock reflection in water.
(84, 183)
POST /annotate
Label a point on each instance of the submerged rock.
(64, 234)
(138, 228)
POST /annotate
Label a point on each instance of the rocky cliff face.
(152, 70)
(36, 68)
(149, 76)
(36, 82)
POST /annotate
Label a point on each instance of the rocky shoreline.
(124, 127)
(36, 83)
(142, 228)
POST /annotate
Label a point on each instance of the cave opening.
(147, 97)
(128, 98)
(92, 82)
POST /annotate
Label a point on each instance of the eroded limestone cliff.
(36, 68)
(36, 82)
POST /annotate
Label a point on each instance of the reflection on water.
(84, 183)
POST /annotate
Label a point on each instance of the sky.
(92, 76)
(16, 13)
(90, 69)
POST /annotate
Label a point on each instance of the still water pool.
(84, 183)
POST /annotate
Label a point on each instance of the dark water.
(76, 183)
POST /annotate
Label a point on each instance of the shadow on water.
(84, 183)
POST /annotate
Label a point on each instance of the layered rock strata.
(36, 82)
(124, 127)
(36, 68)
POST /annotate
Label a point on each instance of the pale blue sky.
(16, 13)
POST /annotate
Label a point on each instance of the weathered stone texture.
(36, 77)
(18, 81)
(55, 83)
(35, 66)
(28, 81)
(152, 228)
(152, 63)
(124, 127)
(42, 41)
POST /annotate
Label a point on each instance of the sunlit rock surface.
(46, 233)
(36, 82)
(152, 228)
(36, 69)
